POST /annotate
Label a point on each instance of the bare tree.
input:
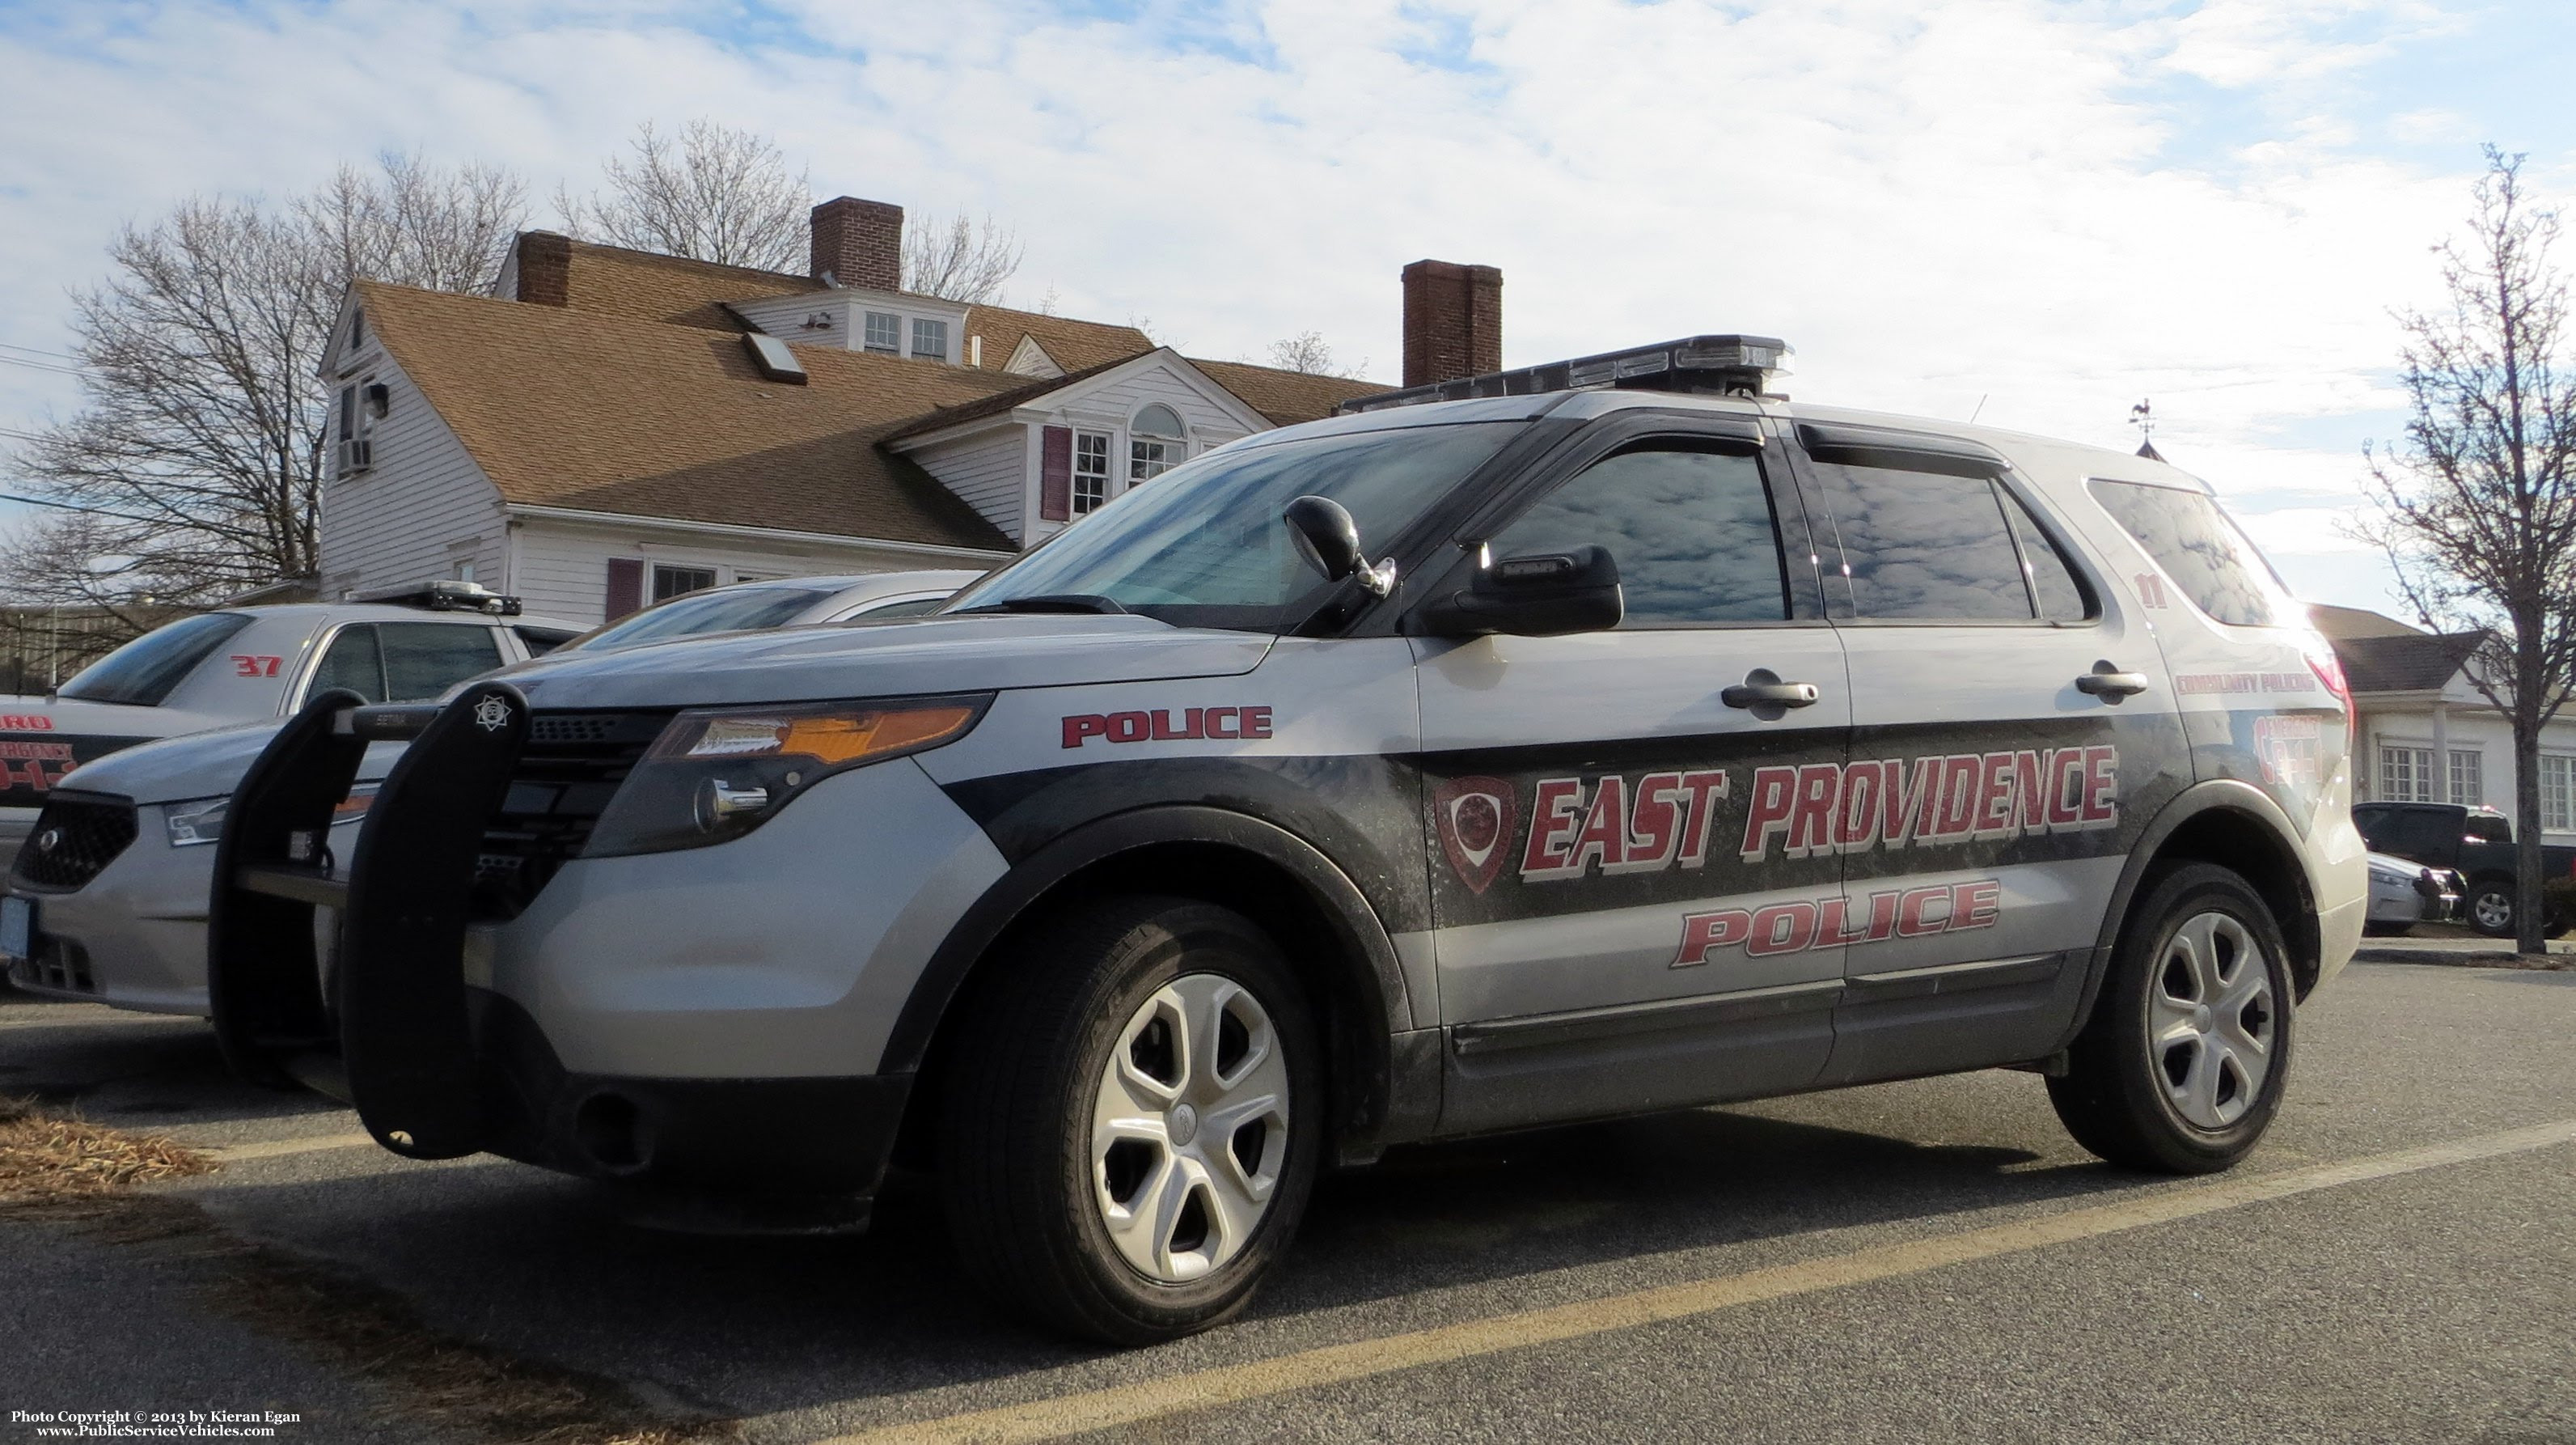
(717, 194)
(2476, 507)
(1307, 352)
(195, 464)
(959, 259)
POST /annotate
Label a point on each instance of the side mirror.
(1329, 539)
(1546, 594)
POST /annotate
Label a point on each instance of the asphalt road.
(1922, 1261)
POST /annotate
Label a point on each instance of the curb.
(2464, 958)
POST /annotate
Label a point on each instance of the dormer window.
(357, 327)
(884, 333)
(1156, 443)
(929, 339)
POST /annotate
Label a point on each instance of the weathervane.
(2143, 417)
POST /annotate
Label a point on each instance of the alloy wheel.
(2212, 1020)
(1189, 1127)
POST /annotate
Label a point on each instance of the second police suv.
(1578, 741)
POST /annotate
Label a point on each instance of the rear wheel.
(2182, 1065)
(1133, 1120)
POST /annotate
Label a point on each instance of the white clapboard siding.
(786, 318)
(562, 567)
(419, 512)
(990, 472)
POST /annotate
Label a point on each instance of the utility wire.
(42, 366)
(39, 351)
(69, 507)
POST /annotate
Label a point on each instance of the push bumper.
(696, 1021)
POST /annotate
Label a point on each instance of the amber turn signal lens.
(832, 736)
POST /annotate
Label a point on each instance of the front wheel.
(2490, 909)
(2182, 1065)
(1133, 1120)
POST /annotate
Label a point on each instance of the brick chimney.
(1453, 321)
(860, 243)
(545, 268)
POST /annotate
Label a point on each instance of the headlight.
(193, 823)
(2386, 879)
(717, 773)
(203, 820)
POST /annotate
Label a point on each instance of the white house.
(2427, 735)
(614, 427)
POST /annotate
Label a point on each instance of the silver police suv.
(1594, 739)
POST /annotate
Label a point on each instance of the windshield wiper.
(1050, 602)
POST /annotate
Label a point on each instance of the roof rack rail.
(444, 596)
(1710, 365)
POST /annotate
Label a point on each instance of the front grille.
(74, 839)
(571, 767)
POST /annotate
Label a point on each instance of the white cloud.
(1936, 203)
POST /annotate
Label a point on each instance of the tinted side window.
(353, 663)
(2052, 581)
(2378, 827)
(1926, 546)
(2197, 546)
(424, 659)
(1691, 531)
(917, 607)
(146, 670)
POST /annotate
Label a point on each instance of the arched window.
(1156, 442)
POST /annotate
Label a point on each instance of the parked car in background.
(2404, 893)
(122, 919)
(2476, 842)
(246, 664)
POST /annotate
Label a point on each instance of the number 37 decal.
(247, 666)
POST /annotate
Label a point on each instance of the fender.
(1384, 999)
(2192, 802)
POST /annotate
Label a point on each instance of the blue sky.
(2037, 210)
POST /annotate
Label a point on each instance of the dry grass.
(45, 1157)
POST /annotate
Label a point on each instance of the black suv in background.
(2476, 841)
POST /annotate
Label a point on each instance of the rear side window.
(1927, 546)
(424, 659)
(2052, 581)
(144, 671)
(351, 663)
(1691, 531)
(2196, 546)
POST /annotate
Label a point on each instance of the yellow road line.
(1332, 1364)
(281, 1148)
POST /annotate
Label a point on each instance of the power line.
(38, 351)
(69, 507)
(42, 366)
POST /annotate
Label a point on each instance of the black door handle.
(2105, 681)
(1762, 689)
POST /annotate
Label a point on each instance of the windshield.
(1203, 544)
(144, 671)
(732, 609)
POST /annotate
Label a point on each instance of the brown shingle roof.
(581, 409)
(1286, 397)
(1073, 345)
(613, 281)
(2415, 662)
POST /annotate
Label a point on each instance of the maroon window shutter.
(625, 586)
(1055, 474)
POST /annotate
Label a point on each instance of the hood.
(2391, 863)
(889, 659)
(29, 716)
(200, 765)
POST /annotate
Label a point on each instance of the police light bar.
(445, 596)
(1709, 365)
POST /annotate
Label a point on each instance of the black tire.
(2117, 1097)
(2500, 906)
(1021, 1188)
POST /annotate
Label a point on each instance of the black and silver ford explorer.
(1456, 766)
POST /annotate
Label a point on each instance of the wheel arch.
(2235, 826)
(1321, 919)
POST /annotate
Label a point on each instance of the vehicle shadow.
(134, 1072)
(542, 1267)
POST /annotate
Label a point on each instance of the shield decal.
(1478, 817)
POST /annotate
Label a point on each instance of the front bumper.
(707, 1019)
